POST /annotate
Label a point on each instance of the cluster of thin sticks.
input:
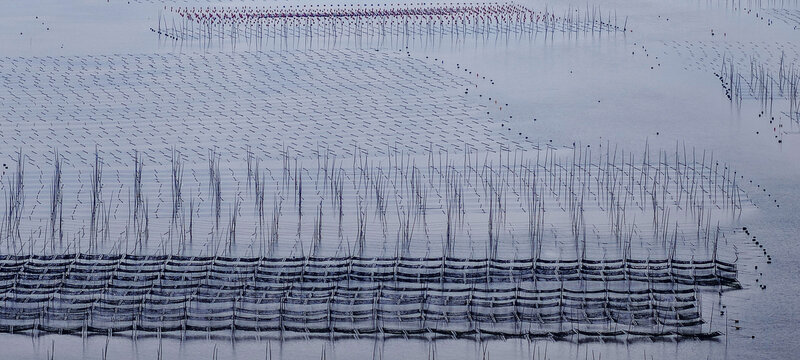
(376, 24)
(402, 204)
(762, 83)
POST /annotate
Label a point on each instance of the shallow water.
(653, 86)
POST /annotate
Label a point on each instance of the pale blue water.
(595, 90)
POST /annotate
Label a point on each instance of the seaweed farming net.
(296, 222)
(376, 25)
(359, 296)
